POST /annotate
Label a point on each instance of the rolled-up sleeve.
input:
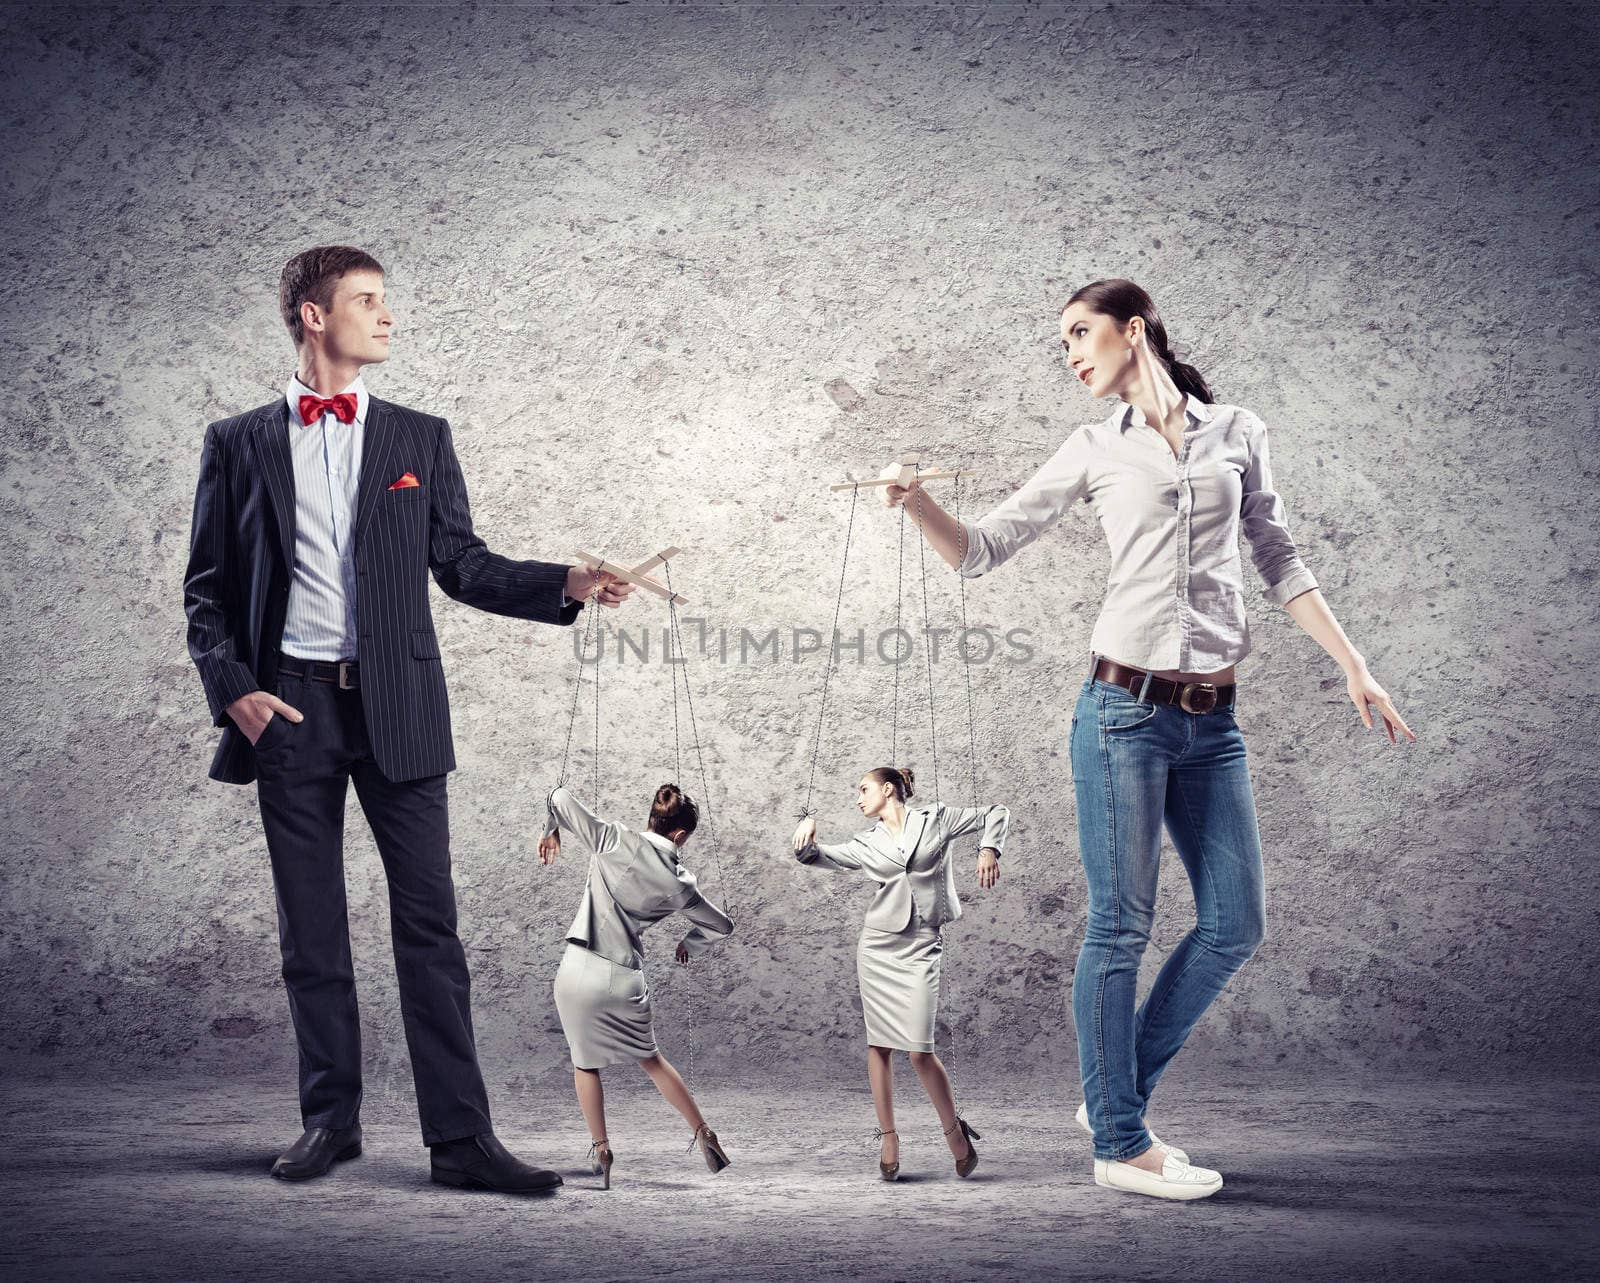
(1042, 501)
(1265, 523)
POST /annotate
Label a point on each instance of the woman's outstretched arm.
(1289, 584)
(945, 535)
(564, 812)
(995, 821)
(975, 547)
(845, 855)
(1311, 611)
(710, 924)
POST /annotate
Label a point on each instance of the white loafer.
(1177, 1180)
(1083, 1122)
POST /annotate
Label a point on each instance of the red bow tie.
(343, 407)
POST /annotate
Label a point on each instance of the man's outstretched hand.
(583, 583)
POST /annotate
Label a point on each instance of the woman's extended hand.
(988, 867)
(549, 848)
(894, 496)
(942, 531)
(805, 833)
(682, 955)
(1311, 612)
(1364, 692)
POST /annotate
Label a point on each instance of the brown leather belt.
(345, 674)
(1192, 697)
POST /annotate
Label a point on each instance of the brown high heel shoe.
(889, 1171)
(965, 1165)
(600, 1161)
(716, 1158)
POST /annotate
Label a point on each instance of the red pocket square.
(405, 483)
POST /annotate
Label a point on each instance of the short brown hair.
(312, 275)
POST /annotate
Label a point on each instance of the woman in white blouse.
(908, 854)
(1173, 478)
(635, 880)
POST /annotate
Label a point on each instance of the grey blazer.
(914, 870)
(634, 881)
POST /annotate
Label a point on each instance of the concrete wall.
(668, 271)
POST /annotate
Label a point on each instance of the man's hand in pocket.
(252, 712)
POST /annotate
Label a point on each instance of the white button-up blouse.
(1175, 594)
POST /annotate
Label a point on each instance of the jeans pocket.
(1124, 714)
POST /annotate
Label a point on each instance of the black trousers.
(305, 770)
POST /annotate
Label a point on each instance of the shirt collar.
(662, 843)
(910, 811)
(297, 389)
(1125, 414)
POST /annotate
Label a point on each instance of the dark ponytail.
(1189, 380)
(1122, 300)
(900, 777)
(672, 810)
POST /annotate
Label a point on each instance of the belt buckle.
(1205, 692)
(344, 676)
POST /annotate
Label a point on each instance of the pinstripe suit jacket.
(241, 559)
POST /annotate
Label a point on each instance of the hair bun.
(908, 780)
(673, 809)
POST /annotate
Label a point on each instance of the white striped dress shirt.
(1175, 597)
(321, 619)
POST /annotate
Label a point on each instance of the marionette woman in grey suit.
(635, 880)
(1174, 478)
(908, 854)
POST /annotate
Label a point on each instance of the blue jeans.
(1135, 765)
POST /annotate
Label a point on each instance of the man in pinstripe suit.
(317, 520)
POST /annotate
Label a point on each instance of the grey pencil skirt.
(604, 1010)
(899, 976)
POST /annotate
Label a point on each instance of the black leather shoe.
(481, 1162)
(318, 1149)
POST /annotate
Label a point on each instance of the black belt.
(1192, 697)
(346, 675)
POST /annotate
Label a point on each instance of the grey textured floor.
(161, 1178)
